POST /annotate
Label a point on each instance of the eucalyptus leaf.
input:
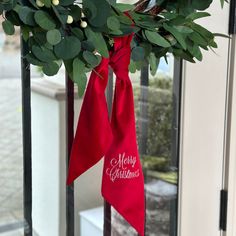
(47, 3)
(103, 9)
(43, 54)
(33, 2)
(78, 33)
(75, 12)
(33, 60)
(184, 55)
(197, 39)
(44, 20)
(25, 32)
(78, 69)
(91, 59)
(82, 82)
(183, 29)
(90, 9)
(113, 23)
(202, 31)
(197, 52)
(59, 16)
(66, 2)
(155, 38)
(200, 4)
(8, 5)
(54, 36)
(26, 14)
(88, 46)
(197, 15)
(124, 7)
(13, 17)
(153, 63)
(8, 27)
(98, 41)
(79, 76)
(40, 37)
(179, 37)
(68, 48)
(132, 66)
(51, 69)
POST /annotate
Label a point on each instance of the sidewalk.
(11, 167)
(11, 194)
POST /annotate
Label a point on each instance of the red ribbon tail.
(93, 134)
(123, 181)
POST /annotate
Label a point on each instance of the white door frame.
(203, 126)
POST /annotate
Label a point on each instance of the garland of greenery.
(79, 33)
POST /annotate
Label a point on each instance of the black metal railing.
(27, 149)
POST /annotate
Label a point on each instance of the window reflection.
(156, 117)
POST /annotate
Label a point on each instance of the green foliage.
(79, 76)
(74, 33)
(98, 41)
(68, 48)
(138, 54)
(8, 27)
(44, 20)
(156, 38)
(54, 36)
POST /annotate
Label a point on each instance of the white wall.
(49, 162)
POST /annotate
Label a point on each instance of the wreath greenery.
(79, 33)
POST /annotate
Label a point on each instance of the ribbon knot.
(97, 136)
(120, 60)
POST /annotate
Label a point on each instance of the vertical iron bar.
(107, 206)
(176, 102)
(232, 18)
(107, 219)
(69, 141)
(223, 209)
(144, 82)
(175, 136)
(26, 132)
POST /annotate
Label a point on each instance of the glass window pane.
(156, 121)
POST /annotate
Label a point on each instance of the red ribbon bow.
(115, 140)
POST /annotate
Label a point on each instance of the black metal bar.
(175, 136)
(177, 85)
(109, 97)
(69, 140)
(223, 209)
(26, 130)
(107, 219)
(232, 17)
(107, 206)
(144, 82)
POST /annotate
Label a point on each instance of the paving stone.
(6, 218)
(18, 214)
(13, 233)
(11, 178)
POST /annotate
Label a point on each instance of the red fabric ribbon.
(115, 140)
